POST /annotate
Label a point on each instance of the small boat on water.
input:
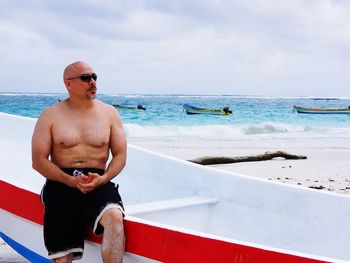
(122, 107)
(321, 110)
(195, 110)
(177, 211)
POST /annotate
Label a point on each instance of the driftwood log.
(207, 160)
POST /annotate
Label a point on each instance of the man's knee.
(66, 259)
(112, 216)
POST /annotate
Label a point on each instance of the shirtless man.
(70, 147)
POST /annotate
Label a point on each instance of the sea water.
(165, 118)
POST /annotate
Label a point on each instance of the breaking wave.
(241, 131)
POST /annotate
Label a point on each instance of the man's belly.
(79, 159)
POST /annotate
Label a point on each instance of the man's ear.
(68, 84)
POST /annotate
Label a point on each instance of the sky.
(252, 47)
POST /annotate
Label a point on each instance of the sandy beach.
(326, 167)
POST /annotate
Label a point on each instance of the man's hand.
(89, 182)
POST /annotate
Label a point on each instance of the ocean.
(164, 118)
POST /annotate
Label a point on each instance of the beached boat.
(177, 211)
(123, 107)
(321, 110)
(195, 110)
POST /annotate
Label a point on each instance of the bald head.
(75, 69)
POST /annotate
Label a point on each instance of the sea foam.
(242, 131)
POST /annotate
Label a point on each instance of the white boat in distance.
(177, 211)
(196, 110)
(321, 110)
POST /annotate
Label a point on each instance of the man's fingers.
(87, 183)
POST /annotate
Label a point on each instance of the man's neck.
(79, 103)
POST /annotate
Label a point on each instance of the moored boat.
(123, 107)
(195, 110)
(321, 110)
(178, 211)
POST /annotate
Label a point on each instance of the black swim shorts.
(68, 211)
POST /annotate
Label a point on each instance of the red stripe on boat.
(151, 241)
(21, 202)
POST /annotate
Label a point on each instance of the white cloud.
(265, 47)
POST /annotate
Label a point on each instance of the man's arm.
(118, 148)
(41, 149)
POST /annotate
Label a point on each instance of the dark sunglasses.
(85, 77)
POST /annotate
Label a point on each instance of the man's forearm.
(52, 172)
(114, 168)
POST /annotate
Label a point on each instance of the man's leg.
(65, 259)
(113, 244)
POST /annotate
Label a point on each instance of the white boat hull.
(208, 112)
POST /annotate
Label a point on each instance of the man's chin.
(92, 96)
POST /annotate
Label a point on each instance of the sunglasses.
(86, 77)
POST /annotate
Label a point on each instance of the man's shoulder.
(101, 103)
(108, 110)
(105, 106)
(52, 110)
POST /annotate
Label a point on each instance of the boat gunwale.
(140, 232)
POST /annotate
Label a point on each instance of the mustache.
(92, 88)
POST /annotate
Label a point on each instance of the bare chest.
(95, 133)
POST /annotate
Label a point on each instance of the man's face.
(82, 82)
